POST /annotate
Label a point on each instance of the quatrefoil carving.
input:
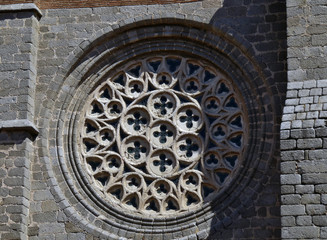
(163, 134)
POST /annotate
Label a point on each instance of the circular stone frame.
(184, 120)
(108, 52)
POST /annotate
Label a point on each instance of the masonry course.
(39, 48)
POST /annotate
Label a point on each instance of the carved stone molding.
(163, 134)
(160, 130)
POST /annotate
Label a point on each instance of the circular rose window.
(163, 135)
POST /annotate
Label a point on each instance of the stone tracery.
(163, 135)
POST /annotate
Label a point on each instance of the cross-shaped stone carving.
(163, 134)
(164, 103)
(137, 150)
(189, 118)
(189, 148)
(137, 121)
(163, 162)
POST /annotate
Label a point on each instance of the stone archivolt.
(163, 135)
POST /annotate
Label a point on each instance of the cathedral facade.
(166, 119)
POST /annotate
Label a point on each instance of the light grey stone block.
(309, 232)
(292, 210)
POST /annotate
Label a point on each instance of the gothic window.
(163, 134)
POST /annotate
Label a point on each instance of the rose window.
(163, 135)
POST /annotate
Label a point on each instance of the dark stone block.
(230, 3)
(271, 18)
(277, 7)
(257, 10)
(237, 11)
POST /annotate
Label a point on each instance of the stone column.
(18, 53)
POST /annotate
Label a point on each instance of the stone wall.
(41, 51)
(19, 43)
(57, 4)
(262, 25)
(303, 130)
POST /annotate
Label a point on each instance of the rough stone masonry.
(52, 54)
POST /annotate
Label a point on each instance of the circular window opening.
(163, 135)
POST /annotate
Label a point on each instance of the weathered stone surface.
(304, 220)
(35, 65)
(300, 232)
(292, 210)
(307, 95)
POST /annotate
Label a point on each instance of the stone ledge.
(21, 7)
(19, 125)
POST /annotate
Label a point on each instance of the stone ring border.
(182, 216)
(66, 91)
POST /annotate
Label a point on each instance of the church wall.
(303, 130)
(262, 25)
(63, 35)
(34, 208)
(19, 42)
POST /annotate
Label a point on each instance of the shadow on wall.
(262, 24)
(9, 137)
